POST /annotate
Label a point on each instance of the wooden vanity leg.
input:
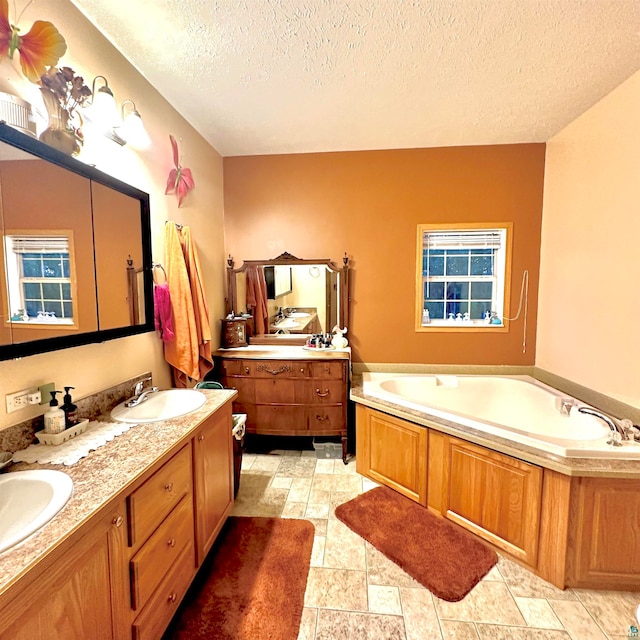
(344, 447)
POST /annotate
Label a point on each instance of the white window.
(39, 279)
(462, 276)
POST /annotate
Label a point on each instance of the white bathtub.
(518, 408)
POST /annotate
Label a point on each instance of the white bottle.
(54, 418)
(425, 317)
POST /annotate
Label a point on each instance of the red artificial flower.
(180, 181)
(40, 48)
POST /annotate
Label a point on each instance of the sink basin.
(161, 405)
(298, 314)
(28, 500)
(287, 323)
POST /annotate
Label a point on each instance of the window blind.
(485, 239)
(38, 244)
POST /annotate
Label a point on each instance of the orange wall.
(369, 204)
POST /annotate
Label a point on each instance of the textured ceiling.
(284, 76)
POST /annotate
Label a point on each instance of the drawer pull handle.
(117, 521)
(285, 368)
(246, 370)
(172, 598)
(169, 486)
(201, 437)
(321, 394)
(322, 418)
(171, 543)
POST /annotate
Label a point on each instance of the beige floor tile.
(289, 453)
(344, 548)
(494, 632)
(494, 574)
(420, 619)
(278, 482)
(367, 484)
(614, 611)
(342, 468)
(268, 504)
(319, 496)
(348, 482)
(308, 624)
(294, 509)
(577, 620)
(320, 524)
(266, 463)
(382, 571)
(325, 466)
(538, 613)
(247, 461)
(338, 498)
(525, 584)
(308, 454)
(317, 510)
(384, 600)
(297, 467)
(346, 625)
(455, 630)
(336, 589)
(317, 552)
(299, 491)
(488, 602)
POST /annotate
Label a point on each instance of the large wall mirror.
(303, 297)
(76, 251)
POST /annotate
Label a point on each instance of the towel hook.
(157, 265)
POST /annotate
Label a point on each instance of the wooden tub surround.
(574, 522)
(118, 559)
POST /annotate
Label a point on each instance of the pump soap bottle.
(70, 409)
(54, 417)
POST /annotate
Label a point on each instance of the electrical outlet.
(16, 400)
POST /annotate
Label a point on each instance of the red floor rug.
(251, 587)
(439, 555)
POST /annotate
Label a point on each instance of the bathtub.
(517, 408)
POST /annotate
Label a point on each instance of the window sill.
(461, 326)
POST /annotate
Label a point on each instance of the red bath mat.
(439, 555)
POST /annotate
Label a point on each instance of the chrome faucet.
(617, 432)
(140, 394)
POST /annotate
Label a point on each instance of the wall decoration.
(42, 46)
(180, 180)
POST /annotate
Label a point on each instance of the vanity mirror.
(76, 251)
(303, 297)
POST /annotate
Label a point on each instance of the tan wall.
(94, 367)
(589, 301)
(369, 204)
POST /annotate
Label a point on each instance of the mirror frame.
(287, 259)
(40, 150)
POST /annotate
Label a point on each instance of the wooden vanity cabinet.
(213, 478)
(80, 592)
(306, 396)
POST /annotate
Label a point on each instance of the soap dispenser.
(70, 409)
(54, 417)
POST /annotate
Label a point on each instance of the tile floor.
(354, 592)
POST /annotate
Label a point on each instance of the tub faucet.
(617, 432)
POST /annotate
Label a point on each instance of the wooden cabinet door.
(392, 452)
(495, 496)
(83, 594)
(213, 474)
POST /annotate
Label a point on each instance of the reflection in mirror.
(302, 296)
(69, 231)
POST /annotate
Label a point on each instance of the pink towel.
(162, 316)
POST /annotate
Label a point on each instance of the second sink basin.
(28, 500)
(161, 405)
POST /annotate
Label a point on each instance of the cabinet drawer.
(325, 419)
(279, 369)
(159, 553)
(290, 420)
(150, 504)
(154, 618)
(280, 391)
(325, 392)
(327, 370)
(235, 368)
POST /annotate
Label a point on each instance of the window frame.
(448, 326)
(60, 324)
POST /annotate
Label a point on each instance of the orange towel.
(190, 352)
(257, 298)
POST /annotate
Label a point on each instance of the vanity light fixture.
(132, 130)
(102, 114)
